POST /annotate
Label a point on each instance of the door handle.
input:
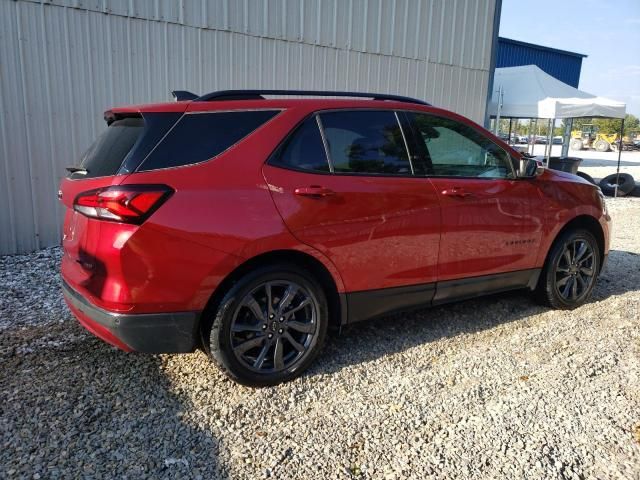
(315, 191)
(456, 192)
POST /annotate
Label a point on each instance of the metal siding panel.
(62, 67)
(117, 7)
(342, 21)
(31, 65)
(14, 185)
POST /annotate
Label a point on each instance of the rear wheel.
(269, 326)
(576, 144)
(570, 272)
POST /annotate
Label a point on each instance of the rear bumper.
(175, 332)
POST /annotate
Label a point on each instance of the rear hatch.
(129, 137)
(124, 177)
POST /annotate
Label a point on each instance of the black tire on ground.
(601, 146)
(260, 335)
(559, 266)
(588, 178)
(635, 192)
(626, 183)
(576, 144)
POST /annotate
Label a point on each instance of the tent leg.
(546, 147)
(533, 125)
(552, 125)
(615, 192)
(510, 128)
(566, 138)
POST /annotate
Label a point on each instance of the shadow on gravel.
(87, 410)
(370, 340)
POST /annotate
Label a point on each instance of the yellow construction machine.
(590, 137)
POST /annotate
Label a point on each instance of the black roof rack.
(258, 95)
(179, 95)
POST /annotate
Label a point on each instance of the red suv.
(247, 226)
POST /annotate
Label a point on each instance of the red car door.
(492, 222)
(360, 205)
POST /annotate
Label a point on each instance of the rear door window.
(107, 153)
(201, 136)
(303, 150)
(368, 142)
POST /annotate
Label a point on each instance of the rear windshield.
(201, 136)
(107, 153)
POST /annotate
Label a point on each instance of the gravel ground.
(491, 388)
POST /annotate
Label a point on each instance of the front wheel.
(601, 146)
(570, 272)
(269, 326)
(576, 144)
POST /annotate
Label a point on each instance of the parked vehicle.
(247, 226)
(557, 140)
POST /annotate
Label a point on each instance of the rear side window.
(366, 142)
(303, 150)
(201, 136)
(107, 153)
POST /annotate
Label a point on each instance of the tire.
(602, 146)
(576, 144)
(556, 284)
(588, 178)
(245, 345)
(626, 184)
(635, 192)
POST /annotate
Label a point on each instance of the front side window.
(201, 136)
(452, 149)
(365, 142)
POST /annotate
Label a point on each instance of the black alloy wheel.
(570, 271)
(269, 326)
(273, 326)
(575, 270)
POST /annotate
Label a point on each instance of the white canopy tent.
(529, 92)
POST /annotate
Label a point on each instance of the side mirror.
(529, 168)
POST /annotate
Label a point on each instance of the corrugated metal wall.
(565, 66)
(63, 62)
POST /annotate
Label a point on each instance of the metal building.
(563, 65)
(63, 62)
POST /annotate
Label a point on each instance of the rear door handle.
(314, 191)
(456, 192)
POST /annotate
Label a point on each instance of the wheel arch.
(337, 301)
(586, 222)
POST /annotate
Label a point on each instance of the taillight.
(127, 203)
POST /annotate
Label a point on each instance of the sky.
(607, 31)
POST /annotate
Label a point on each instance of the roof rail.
(258, 95)
(179, 95)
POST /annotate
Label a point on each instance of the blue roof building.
(563, 65)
